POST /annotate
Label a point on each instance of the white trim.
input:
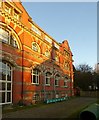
(6, 83)
(49, 79)
(37, 76)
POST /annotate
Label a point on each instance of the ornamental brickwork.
(33, 66)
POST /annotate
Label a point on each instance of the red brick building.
(33, 66)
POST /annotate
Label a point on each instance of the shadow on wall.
(49, 80)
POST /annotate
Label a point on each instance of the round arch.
(36, 47)
(13, 33)
(8, 59)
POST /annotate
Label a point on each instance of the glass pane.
(8, 86)
(34, 71)
(0, 74)
(4, 65)
(8, 96)
(15, 44)
(37, 79)
(34, 47)
(1, 36)
(7, 9)
(8, 75)
(3, 74)
(3, 87)
(64, 83)
(48, 74)
(8, 67)
(3, 97)
(34, 79)
(46, 80)
(11, 40)
(37, 72)
(4, 35)
(55, 82)
(0, 97)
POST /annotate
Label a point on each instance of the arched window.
(35, 47)
(57, 58)
(65, 82)
(48, 77)
(57, 77)
(13, 41)
(66, 66)
(7, 37)
(66, 53)
(35, 76)
(47, 53)
(5, 83)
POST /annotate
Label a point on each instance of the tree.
(83, 76)
(84, 68)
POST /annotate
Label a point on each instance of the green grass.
(14, 108)
(98, 101)
(76, 114)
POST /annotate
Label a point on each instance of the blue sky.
(74, 21)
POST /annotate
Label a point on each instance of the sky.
(72, 21)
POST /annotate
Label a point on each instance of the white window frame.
(6, 37)
(35, 48)
(47, 79)
(66, 53)
(57, 58)
(16, 14)
(56, 80)
(36, 76)
(66, 66)
(6, 83)
(65, 82)
(7, 9)
(47, 53)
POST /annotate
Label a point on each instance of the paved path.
(55, 110)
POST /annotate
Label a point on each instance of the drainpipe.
(44, 85)
(54, 80)
(22, 75)
(44, 77)
(22, 67)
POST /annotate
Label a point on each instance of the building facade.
(33, 66)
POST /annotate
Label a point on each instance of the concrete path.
(55, 110)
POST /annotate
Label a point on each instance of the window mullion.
(11, 83)
(6, 86)
(36, 78)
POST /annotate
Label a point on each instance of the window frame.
(57, 77)
(65, 82)
(8, 38)
(47, 53)
(47, 78)
(7, 8)
(6, 82)
(66, 65)
(16, 14)
(36, 76)
(34, 48)
(57, 58)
